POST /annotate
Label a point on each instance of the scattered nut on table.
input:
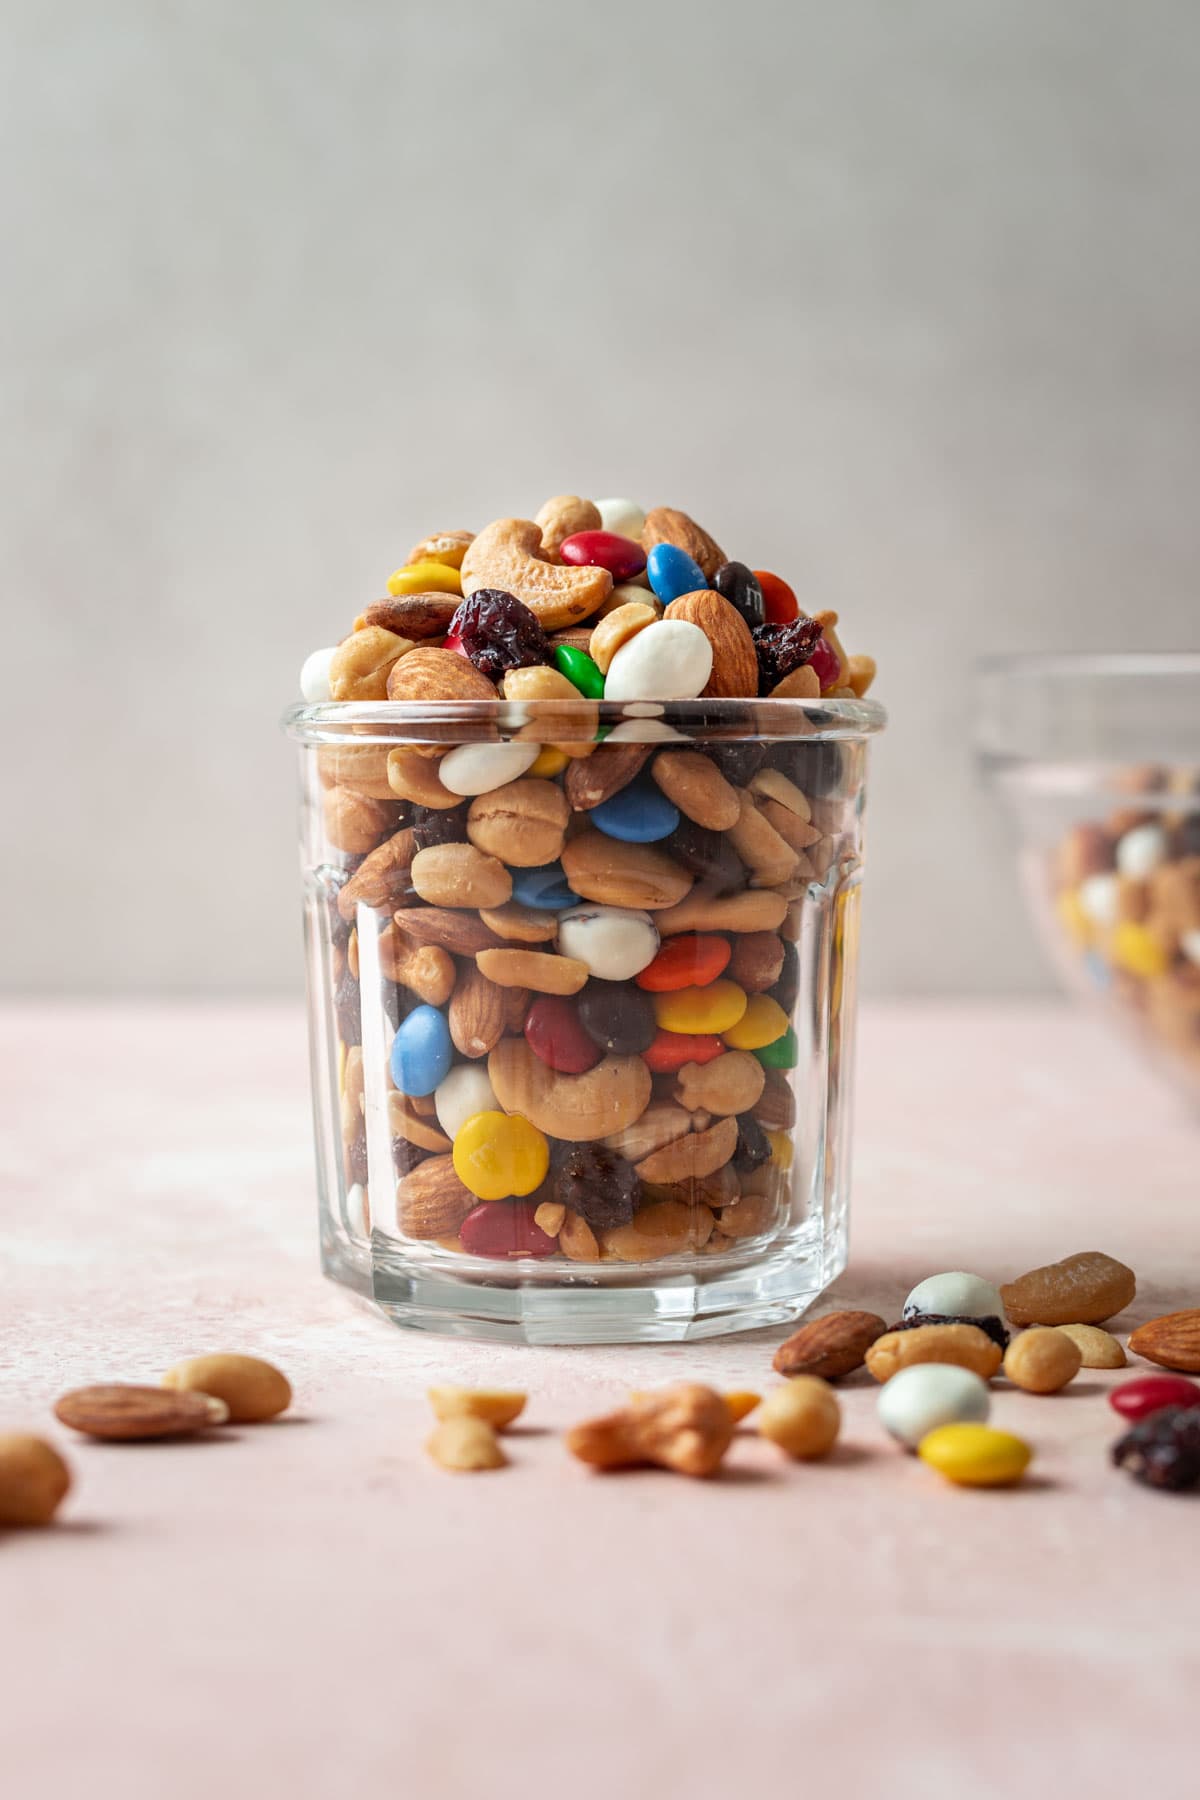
(686, 1428)
(34, 1480)
(124, 1412)
(252, 1389)
(497, 1407)
(803, 1417)
(466, 1445)
(1042, 1360)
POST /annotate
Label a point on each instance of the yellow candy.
(425, 578)
(550, 762)
(1138, 951)
(741, 1404)
(781, 1148)
(975, 1455)
(1072, 917)
(763, 1021)
(706, 1009)
(496, 1155)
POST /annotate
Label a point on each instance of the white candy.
(314, 676)
(918, 1399)
(622, 516)
(1189, 943)
(478, 768)
(643, 731)
(1141, 850)
(465, 1092)
(1098, 899)
(616, 942)
(356, 1211)
(669, 660)
(957, 1295)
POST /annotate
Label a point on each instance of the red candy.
(553, 1032)
(604, 550)
(671, 1049)
(685, 962)
(826, 665)
(503, 1228)
(1147, 1394)
(780, 605)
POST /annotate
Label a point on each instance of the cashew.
(427, 969)
(562, 517)
(686, 1428)
(506, 555)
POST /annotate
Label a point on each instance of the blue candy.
(672, 573)
(422, 1052)
(637, 814)
(545, 888)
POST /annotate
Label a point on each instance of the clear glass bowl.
(737, 1170)
(1097, 759)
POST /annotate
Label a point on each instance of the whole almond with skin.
(122, 1412)
(604, 774)
(431, 1202)
(697, 787)
(640, 876)
(462, 933)
(964, 1345)
(1081, 1290)
(522, 823)
(539, 970)
(382, 879)
(776, 1108)
(516, 1007)
(460, 875)
(1172, 1341)
(562, 516)
(430, 675)
(735, 661)
(507, 554)
(576, 1107)
(413, 616)
(667, 525)
(831, 1346)
(477, 1013)
(253, 1390)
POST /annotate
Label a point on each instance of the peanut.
(497, 1407)
(253, 1390)
(1042, 1360)
(803, 1417)
(34, 1480)
(465, 1445)
(1098, 1348)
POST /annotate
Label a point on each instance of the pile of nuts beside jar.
(582, 935)
(1127, 895)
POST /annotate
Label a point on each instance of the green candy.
(784, 1053)
(580, 671)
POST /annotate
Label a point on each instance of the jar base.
(682, 1307)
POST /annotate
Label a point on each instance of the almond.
(964, 1345)
(539, 970)
(612, 768)
(776, 1109)
(640, 876)
(431, 1202)
(831, 1346)
(697, 787)
(477, 1013)
(431, 675)
(121, 1411)
(666, 525)
(1172, 1341)
(522, 823)
(735, 661)
(462, 933)
(382, 879)
(1081, 1290)
(460, 875)
(413, 615)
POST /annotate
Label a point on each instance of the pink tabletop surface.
(313, 1608)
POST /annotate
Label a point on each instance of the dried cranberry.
(347, 1006)
(1163, 1450)
(597, 1184)
(618, 1018)
(788, 985)
(406, 1156)
(992, 1326)
(783, 648)
(431, 826)
(753, 1146)
(496, 631)
(827, 666)
(708, 855)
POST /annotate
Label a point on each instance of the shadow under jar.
(582, 1041)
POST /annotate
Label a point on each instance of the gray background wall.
(900, 299)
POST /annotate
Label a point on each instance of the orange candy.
(780, 605)
(686, 962)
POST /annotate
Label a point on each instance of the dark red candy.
(553, 1033)
(604, 550)
(671, 1049)
(1147, 1394)
(504, 1228)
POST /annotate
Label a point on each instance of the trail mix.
(585, 948)
(1127, 897)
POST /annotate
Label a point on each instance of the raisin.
(782, 649)
(708, 855)
(788, 985)
(1163, 1450)
(347, 1006)
(738, 762)
(619, 1019)
(496, 631)
(819, 770)
(1187, 836)
(753, 1147)
(406, 1156)
(993, 1326)
(597, 1184)
(431, 826)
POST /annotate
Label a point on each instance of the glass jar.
(533, 1123)
(1097, 758)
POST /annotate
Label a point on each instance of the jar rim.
(409, 721)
